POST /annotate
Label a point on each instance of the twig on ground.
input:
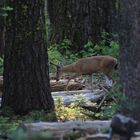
(107, 91)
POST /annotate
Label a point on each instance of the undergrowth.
(106, 46)
(65, 113)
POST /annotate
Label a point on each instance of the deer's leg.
(109, 81)
(108, 78)
(91, 80)
(73, 77)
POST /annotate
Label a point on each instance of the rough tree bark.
(26, 75)
(130, 55)
(81, 20)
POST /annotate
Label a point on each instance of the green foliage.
(65, 44)
(72, 112)
(67, 55)
(60, 52)
(88, 50)
(7, 125)
(4, 8)
(35, 116)
(104, 47)
(73, 135)
(20, 134)
(1, 66)
(122, 102)
(107, 46)
(55, 55)
(108, 109)
(42, 136)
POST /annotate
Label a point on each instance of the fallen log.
(55, 86)
(73, 92)
(60, 128)
(69, 97)
(78, 130)
(61, 85)
(75, 96)
(88, 130)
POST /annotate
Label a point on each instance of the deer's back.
(95, 64)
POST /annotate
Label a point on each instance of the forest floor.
(70, 106)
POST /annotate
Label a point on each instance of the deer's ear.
(60, 65)
(116, 67)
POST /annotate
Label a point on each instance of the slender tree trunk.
(130, 56)
(26, 75)
(2, 35)
(81, 20)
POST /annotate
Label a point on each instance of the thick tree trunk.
(81, 20)
(130, 55)
(26, 76)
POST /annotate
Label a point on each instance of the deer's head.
(59, 71)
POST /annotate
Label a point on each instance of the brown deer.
(88, 66)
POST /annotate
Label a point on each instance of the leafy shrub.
(67, 55)
(39, 115)
(104, 47)
(88, 50)
(72, 112)
(107, 46)
(7, 125)
(114, 107)
(55, 55)
(111, 50)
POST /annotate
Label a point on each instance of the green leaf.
(7, 8)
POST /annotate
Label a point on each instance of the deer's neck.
(68, 68)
